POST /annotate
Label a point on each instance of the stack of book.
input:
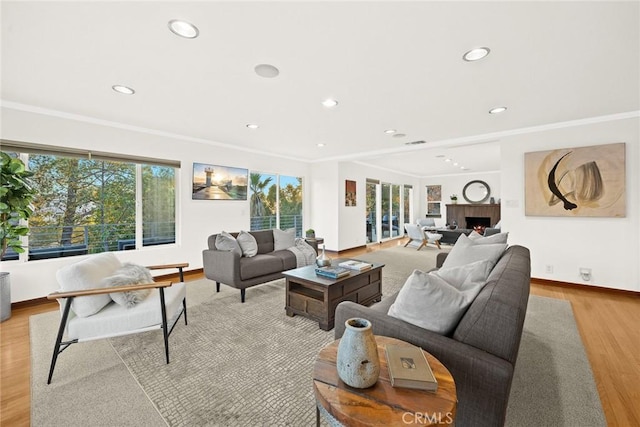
(408, 367)
(356, 265)
(332, 272)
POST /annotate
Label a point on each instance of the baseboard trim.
(595, 288)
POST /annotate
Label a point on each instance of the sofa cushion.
(428, 301)
(283, 239)
(466, 276)
(226, 242)
(129, 274)
(264, 238)
(466, 252)
(88, 274)
(248, 244)
(259, 265)
(287, 257)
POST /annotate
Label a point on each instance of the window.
(407, 201)
(88, 204)
(275, 202)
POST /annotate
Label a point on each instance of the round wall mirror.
(476, 191)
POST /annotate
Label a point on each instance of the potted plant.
(311, 233)
(16, 194)
(454, 198)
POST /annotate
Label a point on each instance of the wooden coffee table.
(382, 404)
(317, 297)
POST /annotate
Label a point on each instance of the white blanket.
(305, 255)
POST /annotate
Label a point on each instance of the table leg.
(317, 416)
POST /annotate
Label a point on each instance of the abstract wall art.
(576, 182)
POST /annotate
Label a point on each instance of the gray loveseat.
(242, 272)
(481, 352)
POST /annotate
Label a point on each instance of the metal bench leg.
(56, 349)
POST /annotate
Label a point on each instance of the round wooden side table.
(382, 404)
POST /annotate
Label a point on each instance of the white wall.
(609, 246)
(197, 219)
(453, 184)
(352, 219)
(324, 196)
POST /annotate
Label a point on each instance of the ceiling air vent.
(415, 142)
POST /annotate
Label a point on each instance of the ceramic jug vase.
(357, 360)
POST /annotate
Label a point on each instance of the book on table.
(332, 272)
(355, 265)
(408, 368)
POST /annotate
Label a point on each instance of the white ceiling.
(389, 64)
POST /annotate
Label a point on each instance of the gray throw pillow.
(248, 244)
(481, 240)
(129, 274)
(428, 301)
(466, 252)
(283, 239)
(226, 242)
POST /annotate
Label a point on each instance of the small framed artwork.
(576, 182)
(434, 201)
(214, 182)
(433, 209)
(349, 193)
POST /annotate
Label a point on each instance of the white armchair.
(90, 313)
(417, 236)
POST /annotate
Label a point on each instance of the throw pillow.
(466, 252)
(226, 242)
(466, 276)
(428, 301)
(478, 239)
(129, 274)
(283, 239)
(248, 244)
(87, 274)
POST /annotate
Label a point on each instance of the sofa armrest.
(440, 258)
(221, 266)
(483, 381)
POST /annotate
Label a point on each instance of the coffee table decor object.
(357, 360)
(322, 260)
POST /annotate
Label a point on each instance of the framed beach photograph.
(215, 182)
(576, 182)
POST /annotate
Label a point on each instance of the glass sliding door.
(395, 210)
(385, 206)
(262, 201)
(372, 190)
(407, 201)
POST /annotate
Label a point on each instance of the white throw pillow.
(466, 276)
(129, 274)
(428, 301)
(248, 244)
(466, 252)
(283, 239)
(478, 239)
(88, 274)
(226, 242)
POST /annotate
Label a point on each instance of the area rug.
(249, 364)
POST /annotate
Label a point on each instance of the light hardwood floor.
(608, 321)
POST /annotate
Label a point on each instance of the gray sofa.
(481, 352)
(242, 272)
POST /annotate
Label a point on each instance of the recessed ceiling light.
(390, 131)
(455, 164)
(252, 126)
(126, 90)
(267, 71)
(320, 144)
(497, 110)
(447, 160)
(329, 103)
(476, 54)
(399, 135)
(183, 29)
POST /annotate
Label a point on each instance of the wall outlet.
(548, 269)
(585, 273)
